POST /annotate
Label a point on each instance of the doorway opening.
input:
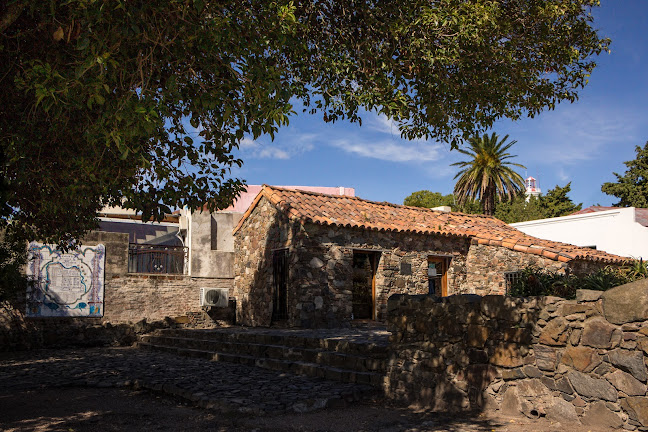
(438, 276)
(279, 285)
(363, 298)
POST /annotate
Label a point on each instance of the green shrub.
(534, 281)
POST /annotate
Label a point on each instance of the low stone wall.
(131, 297)
(19, 333)
(578, 360)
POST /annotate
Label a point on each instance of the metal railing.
(144, 258)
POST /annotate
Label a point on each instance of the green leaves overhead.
(97, 96)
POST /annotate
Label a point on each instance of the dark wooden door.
(279, 285)
(365, 264)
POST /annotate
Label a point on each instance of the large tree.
(487, 174)
(631, 188)
(141, 103)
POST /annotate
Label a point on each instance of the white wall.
(614, 231)
(204, 259)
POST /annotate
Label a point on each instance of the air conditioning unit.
(218, 297)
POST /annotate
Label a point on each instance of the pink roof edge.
(245, 199)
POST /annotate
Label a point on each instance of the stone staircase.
(352, 356)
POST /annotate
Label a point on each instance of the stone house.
(310, 259)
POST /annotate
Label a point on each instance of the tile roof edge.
(383, 203)
(251, 208)
(475, 239)
(554, 256)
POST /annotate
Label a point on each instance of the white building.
(621, 231)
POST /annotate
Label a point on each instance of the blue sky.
(584, 142)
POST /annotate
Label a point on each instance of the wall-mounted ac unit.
(217, 297)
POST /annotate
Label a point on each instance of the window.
(511, 278)
(145, 258)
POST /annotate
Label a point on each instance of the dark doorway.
(279, 285)
(365, 264)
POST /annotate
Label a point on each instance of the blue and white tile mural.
(66, 284)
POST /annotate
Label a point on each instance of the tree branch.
(10, 15)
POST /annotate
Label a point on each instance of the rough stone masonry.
(582, 360)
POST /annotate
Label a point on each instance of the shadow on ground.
(107, 410)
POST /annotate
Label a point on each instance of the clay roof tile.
(355, 212)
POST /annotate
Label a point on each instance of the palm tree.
(487, 175)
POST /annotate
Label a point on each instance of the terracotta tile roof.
(641, 214)
(592, 209)
(355, 212)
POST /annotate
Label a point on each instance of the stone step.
(292, 366)
(288, 340)
(358, 363)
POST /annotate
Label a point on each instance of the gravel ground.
(38, 392)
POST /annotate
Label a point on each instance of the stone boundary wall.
(131, 297)
(581, 360)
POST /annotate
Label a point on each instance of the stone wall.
(578, 360)
(324, 259)
(320, 267)
(264, 231)
(129, 298)
(486, 266)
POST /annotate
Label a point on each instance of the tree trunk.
(488, 200)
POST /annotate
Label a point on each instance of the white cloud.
(388, 150)
(380, 123)
(579, 133)
(562, 175)
(294, 144)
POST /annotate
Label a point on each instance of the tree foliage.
(428, 199)
(555, 203)
(631, 188)
(519, 209)
(487, 175)
(142, 104)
